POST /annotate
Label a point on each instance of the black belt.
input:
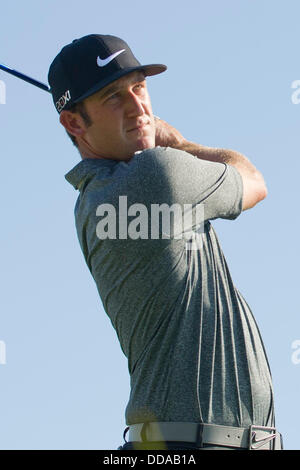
(251, 437)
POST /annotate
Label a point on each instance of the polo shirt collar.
(85, 170)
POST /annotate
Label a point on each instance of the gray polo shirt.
(193, 347)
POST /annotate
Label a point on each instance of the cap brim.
(152, 69)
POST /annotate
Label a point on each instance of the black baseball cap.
(88, 64)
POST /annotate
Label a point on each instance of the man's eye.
(139, 87)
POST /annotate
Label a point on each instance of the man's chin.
(138, 146)
(137, 150)
(145, 143)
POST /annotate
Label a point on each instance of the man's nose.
(134, 105)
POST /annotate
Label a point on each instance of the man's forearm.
(231, 157)
(253, 182)
(168, 136)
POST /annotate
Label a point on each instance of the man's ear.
(73, 123)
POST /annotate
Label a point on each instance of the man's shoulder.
(162, 158)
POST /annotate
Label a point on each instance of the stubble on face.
(122, 118)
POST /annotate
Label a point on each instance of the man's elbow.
(255, 191)
(265, 192)
(263, 188)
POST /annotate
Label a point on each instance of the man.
(199, 373)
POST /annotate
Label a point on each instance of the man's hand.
(166, 135)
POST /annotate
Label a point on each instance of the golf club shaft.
(41, 85)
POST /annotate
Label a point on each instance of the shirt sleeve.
(173, 176)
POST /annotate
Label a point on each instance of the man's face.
(122, 118)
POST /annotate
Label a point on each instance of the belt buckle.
(256, 442)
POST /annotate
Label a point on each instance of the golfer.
(200, 378)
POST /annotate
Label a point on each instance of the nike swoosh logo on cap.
(103, 62)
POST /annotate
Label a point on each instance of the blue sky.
(231, 66)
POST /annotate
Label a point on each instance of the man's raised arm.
(254, 187)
